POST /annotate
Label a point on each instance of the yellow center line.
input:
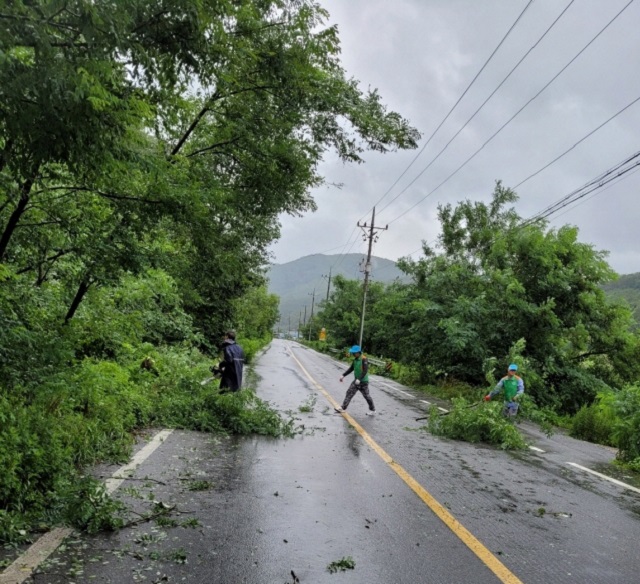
(487, 558)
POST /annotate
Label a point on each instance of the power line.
(504, 38)
(625, 108)
(343, 254)
(512, 117)
(587, 185)
(481, 106)
(341, 246)
(620, 169)
(593, 187)
(613, 184)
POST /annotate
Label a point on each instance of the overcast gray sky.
(422, 55)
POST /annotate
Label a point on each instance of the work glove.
(357, 382)
(487, 398)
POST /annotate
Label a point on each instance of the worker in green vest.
(512, 387)
(360, 369)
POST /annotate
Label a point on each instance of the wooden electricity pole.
(370, 233)
(328, 284)
(313, 301)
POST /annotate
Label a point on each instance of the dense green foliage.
(147, 149)
(613, 419)
(627, 290)
(596, 421)
(86, 413)
(483, 423)
(498, 291)
(495, 286)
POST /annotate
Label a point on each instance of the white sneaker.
(371, 413)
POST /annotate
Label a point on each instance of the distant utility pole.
(289, 329)
(299, 321)
(372, 236)
(304, 320)
(328, 284)
(313, 300)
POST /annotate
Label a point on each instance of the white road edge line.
(424, 401)
(394, 388)
(604, 476)
(443, 409)
(536, 449)
(24, 565)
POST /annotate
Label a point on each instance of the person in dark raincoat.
(232, 363)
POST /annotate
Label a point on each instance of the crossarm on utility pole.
(373, 231)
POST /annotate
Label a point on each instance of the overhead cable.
(481, 106)
(595, 194)
(614, 116)
(620, 169)
(504, 38)
(512, 117)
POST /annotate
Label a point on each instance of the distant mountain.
(295, 281)
(626, 287)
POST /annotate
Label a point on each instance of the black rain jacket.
(231, 365)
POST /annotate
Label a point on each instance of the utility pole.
(304, 320)
(299, 321)
(371, 236)
(328, 284)
(289, 329)
(313, 300)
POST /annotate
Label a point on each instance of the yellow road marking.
(485, 556)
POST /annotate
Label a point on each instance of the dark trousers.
(363, 388)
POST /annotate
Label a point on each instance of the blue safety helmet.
(513, 367)
(355, 349)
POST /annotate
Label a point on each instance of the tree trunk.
(15, 217)
(82, 290)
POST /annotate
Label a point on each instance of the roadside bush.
(33, 456)
(596, 422)
(252, 347)
(545, 416)
(13, 527)
(405, 374)
(245, 413)
(627, 429)
(476, 423)
(87, 414)
(181, 401)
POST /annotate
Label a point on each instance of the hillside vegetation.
(496, 292)
(146, 154)
(627, 289)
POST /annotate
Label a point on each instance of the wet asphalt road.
(259, 510)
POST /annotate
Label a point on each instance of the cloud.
(422, 55)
